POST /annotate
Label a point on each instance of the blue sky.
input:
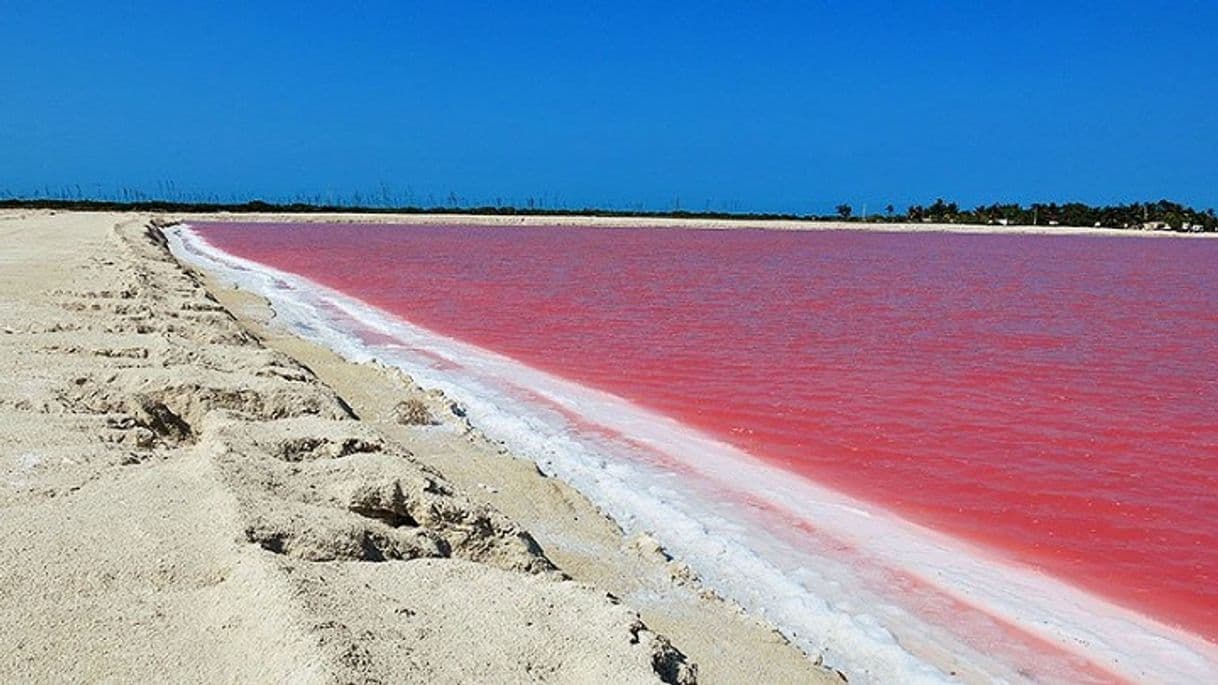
(749, 106)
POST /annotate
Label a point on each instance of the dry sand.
(189, 495)
(688, 223)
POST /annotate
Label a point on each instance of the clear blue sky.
(773, 106)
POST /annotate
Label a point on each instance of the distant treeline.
(1161, 215)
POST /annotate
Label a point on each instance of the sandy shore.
(191, 495)
(663, 222)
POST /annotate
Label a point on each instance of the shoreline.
(586, 221)
(103, 303)
(1101, 646)
(238, 504)
(582, 539)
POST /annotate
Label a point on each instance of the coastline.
(584, 221)
(581, 539)
(1102, 646)
(166, 300)
(193, 477)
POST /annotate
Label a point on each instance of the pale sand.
(190, 497)
(664, 222)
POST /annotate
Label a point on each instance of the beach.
(465, 344)
(209, 451)
(190, 494)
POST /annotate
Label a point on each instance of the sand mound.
(324, 489)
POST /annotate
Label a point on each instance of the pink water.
(1054, 398)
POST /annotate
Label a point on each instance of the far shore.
(590, 221)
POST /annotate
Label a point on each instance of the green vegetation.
(1161, 215)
